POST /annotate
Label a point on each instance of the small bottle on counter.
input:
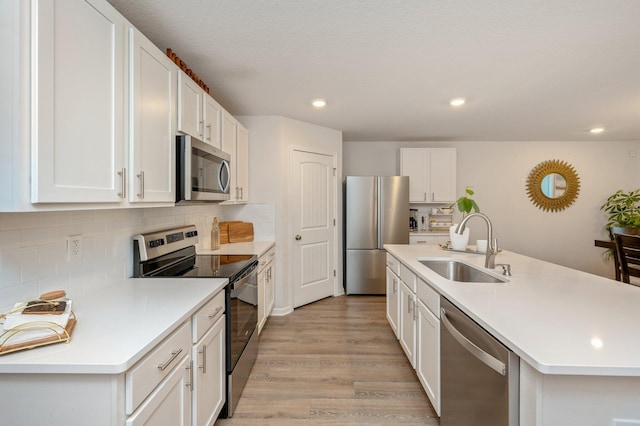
(215, 235)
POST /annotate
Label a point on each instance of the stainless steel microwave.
(202, 171)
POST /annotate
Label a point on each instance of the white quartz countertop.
(254, 247)
(117, 326)
(557, 319)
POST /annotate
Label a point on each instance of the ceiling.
(531, 70)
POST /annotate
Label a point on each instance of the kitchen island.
(576, 334)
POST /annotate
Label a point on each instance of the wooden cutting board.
(224, 230)
(240, 232)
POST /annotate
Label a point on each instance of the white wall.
(271, 139)
(498, 172)
(33, 247)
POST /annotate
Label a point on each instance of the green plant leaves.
(623, 209)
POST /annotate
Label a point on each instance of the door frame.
(337, 209)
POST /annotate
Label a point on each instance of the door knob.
(298, 237)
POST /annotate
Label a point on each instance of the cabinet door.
(153, 117)
(242, 163)
(190, 101)
(393, 284)
(209, 375)
(212, 117)
(270, 290)
(407, 307)
(229, 135)
(78, 95)
(413, 163)
(170, 403)
(443, 175)
(262, 297)
(428, 354)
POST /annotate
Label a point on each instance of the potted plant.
(623, 210)
(465, 204)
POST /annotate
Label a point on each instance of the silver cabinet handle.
(209, 127)
(433, 196)
(189, 368)
(123, 191)
(141, 177)
(415, 310)
(204, 359)
(174, 355)
(215, 312)
(201, 126)
(409, 303)
(242, 193)
(425, 196)
(495, 364)
(395, 286)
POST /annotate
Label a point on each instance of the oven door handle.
(242, 281)
(495, 364)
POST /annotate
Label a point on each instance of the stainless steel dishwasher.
(479, 375)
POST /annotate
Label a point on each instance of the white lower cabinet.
(413, 311)
(266, 286)
(408, 322)
(208, 375)
(428, 354)
(428, 239)
(170, 402)
(393, 288)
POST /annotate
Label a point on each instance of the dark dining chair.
(620, 230)
(628, 252)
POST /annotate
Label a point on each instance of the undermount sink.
(455, 270)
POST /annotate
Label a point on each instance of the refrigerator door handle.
(379, 219)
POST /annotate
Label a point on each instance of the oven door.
(202, 171)
(242, 314)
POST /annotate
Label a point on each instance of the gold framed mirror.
(553, 185)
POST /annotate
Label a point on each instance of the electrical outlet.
(74, 247)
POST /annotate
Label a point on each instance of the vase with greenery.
(622, 209)
(465, 204)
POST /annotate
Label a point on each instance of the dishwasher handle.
(495, 364)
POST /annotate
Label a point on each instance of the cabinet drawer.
(207, 316)
(393, 264)
(408, 277)
(429, 297)
(143, 377)
(266, 258)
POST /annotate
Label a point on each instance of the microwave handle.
(187, 166)
(224, 186)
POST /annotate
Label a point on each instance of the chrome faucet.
(492, 245)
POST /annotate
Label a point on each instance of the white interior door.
(312, 207)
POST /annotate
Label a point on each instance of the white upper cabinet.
(153, 93)
(78, 95)
(199, 115)
(235, 142)
(432, 174)
(190, 102)
(212, 122)
(242, 163)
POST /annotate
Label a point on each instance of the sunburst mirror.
(553, 185)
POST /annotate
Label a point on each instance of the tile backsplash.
(33, 245)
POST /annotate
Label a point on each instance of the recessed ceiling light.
(457, 102)
(597, 130)
(319, 103)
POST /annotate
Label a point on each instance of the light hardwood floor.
(333, 362)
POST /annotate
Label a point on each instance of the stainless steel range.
(172, 253)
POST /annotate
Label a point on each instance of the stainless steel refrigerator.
(376, 213)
